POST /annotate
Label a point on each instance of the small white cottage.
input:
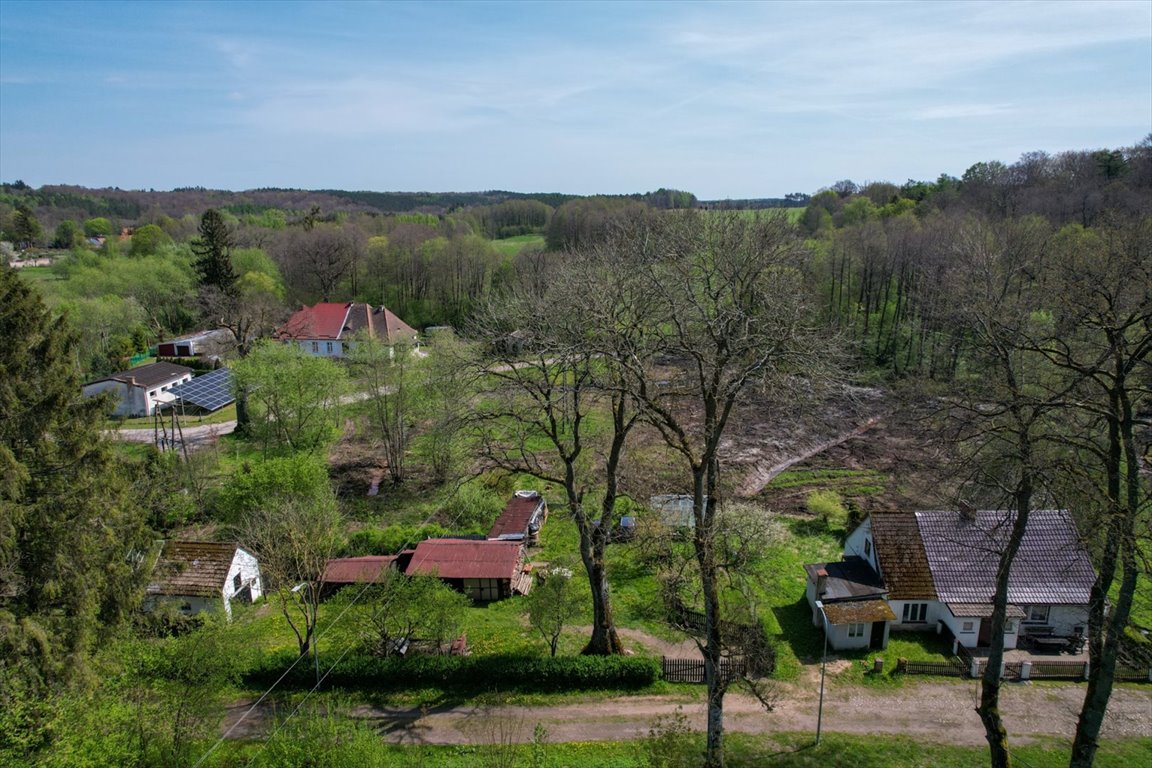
(139, 391)
(197, 576)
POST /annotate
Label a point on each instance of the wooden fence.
(692, 670)
(951, 668)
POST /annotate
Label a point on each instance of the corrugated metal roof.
(516, 516)
(357, 570)
(858, 611)
(192, 568)
(901, 555)
(464, 559)
(963, 551)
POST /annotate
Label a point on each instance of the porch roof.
(858, 611)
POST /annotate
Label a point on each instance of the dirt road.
(940, 711)
(937, 711)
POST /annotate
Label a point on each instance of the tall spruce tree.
(71, 539)
(213, 249)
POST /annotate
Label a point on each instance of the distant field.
(511, 246)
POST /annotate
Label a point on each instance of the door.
(984, 639)
(877, 634)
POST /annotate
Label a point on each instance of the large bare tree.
(726, 308)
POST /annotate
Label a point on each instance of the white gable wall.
(860, 544)
(243, 573)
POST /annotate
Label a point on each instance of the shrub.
(476, 673)
(827, 507)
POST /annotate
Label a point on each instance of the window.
(855, 630)
(315, 347)
(1009, 627)
(867, 547)
(328, 347)
(915, 613)
(1036, 614)
(966, 626)
(236, 582)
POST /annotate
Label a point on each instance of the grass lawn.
(510, 246)
(227, 413)
(787, 750)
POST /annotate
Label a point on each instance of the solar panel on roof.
(211, 391)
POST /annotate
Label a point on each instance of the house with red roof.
(328, 329)
(371, 569)
(482, 570)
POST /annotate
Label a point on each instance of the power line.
(319, 636)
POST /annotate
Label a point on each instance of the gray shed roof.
(963, 552)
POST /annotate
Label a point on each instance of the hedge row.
(505, 673)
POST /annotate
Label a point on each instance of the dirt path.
(940, 711)
(761, 475)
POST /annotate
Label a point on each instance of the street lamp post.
(823, 663)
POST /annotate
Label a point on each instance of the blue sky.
(721, 99)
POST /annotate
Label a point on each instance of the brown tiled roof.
(516, 515)
(900, 552)
(357, 570)
(858, 611)
(192, 568)
(466, 559)
(982, 610)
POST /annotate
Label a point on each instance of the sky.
(724, 100)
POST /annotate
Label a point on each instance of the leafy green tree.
(294, 539)
(25, 230)
(213, 249)
(299, 476)
(71, 538)
(388, 375)
(553, 603)
(292, 396)
(68, 235)
(402, 610)
(147, 240)
(97, 227)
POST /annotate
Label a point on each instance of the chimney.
(821, 582)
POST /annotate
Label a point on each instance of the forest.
(600, 350)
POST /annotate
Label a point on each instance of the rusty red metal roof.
(517, 514)
(467, 559)
(357, 570)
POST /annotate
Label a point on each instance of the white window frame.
(328, 347)
(855, 630)
(1034, 614)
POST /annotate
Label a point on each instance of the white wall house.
(329, 329)
(195, 576)
(139, 391)
(935, 572)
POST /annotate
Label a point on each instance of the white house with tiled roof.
(195, 576)
(328, 329)
(937, 569)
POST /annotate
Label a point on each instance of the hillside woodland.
(986, 339)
